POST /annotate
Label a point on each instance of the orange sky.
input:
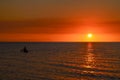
(64, 20)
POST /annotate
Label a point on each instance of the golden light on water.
(90, 58)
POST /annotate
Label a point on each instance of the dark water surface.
(60, 61)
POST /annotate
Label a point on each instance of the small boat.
(24, 50)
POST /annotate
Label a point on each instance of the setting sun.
(89, 35)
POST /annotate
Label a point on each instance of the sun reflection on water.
(90, 58)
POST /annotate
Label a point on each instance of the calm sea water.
(60, 61)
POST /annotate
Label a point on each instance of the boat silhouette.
(24, 50)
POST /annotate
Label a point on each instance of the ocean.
(60, 61)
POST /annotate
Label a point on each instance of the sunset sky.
(59, 20)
